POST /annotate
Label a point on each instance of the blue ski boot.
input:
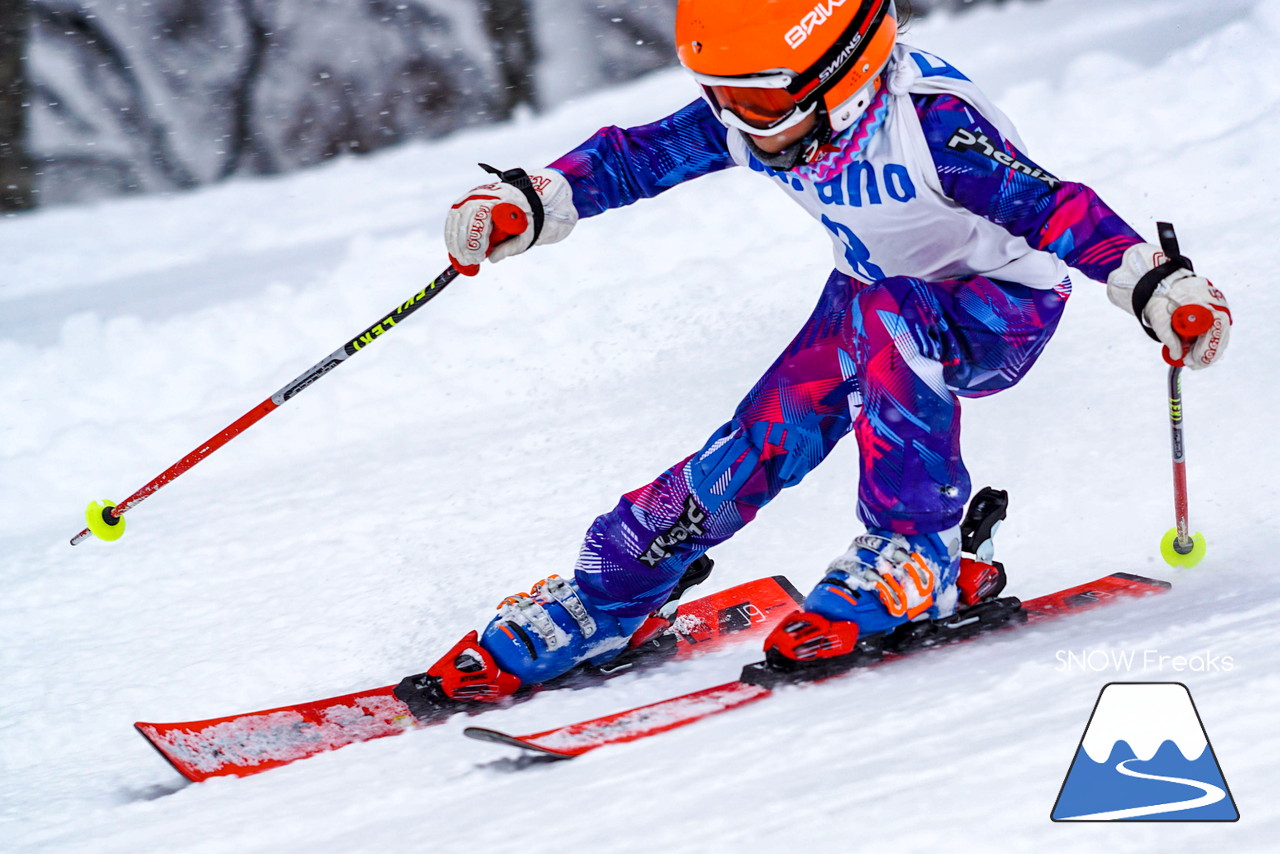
(889, 591)
(538, 637)
(552, 629)
(556, 627)
(883, 581)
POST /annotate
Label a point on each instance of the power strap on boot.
(524, 613)
(556, 588)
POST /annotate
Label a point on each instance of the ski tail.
(1085, 597)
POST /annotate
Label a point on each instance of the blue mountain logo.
(1145, 756)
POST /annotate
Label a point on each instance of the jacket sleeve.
(982, 171)
(617, 166)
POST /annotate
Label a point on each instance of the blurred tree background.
(15, 176)
(106, 97)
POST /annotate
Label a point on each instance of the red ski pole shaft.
(1180, 547)
(1182, 542)
(508, 219)
(1189, 321)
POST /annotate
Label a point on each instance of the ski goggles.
(760, 105)
(770, 102)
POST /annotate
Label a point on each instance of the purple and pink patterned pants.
(887, 361)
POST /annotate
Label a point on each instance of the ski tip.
(493, 736)
(149, 731)
(1142, 579)
(152, 733)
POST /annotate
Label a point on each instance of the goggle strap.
(803, 85)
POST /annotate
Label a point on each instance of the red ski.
(567, 742)
(240, 745)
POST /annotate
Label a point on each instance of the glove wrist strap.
(520, 179)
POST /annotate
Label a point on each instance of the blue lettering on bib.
(932, 66)
(855, 251)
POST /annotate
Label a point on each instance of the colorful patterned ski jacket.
(932, 183)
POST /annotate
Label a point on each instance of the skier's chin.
(775, 143)
(770, 144)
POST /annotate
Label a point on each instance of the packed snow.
(352, 536)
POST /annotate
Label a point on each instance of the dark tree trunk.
(244, 151)
(15, 170)
(511, 34)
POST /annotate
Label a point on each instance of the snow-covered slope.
(348, 538)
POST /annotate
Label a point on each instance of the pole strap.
(1150, 281)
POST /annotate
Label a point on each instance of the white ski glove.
(544, 196)
(1170, 292)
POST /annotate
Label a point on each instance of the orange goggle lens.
(759, 108)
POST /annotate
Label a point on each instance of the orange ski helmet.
(764, 65)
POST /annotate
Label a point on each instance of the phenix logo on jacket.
(966, 140)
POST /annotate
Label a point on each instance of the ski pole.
(105, 519)
(1179, 547)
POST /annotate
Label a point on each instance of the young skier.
(951, 247)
